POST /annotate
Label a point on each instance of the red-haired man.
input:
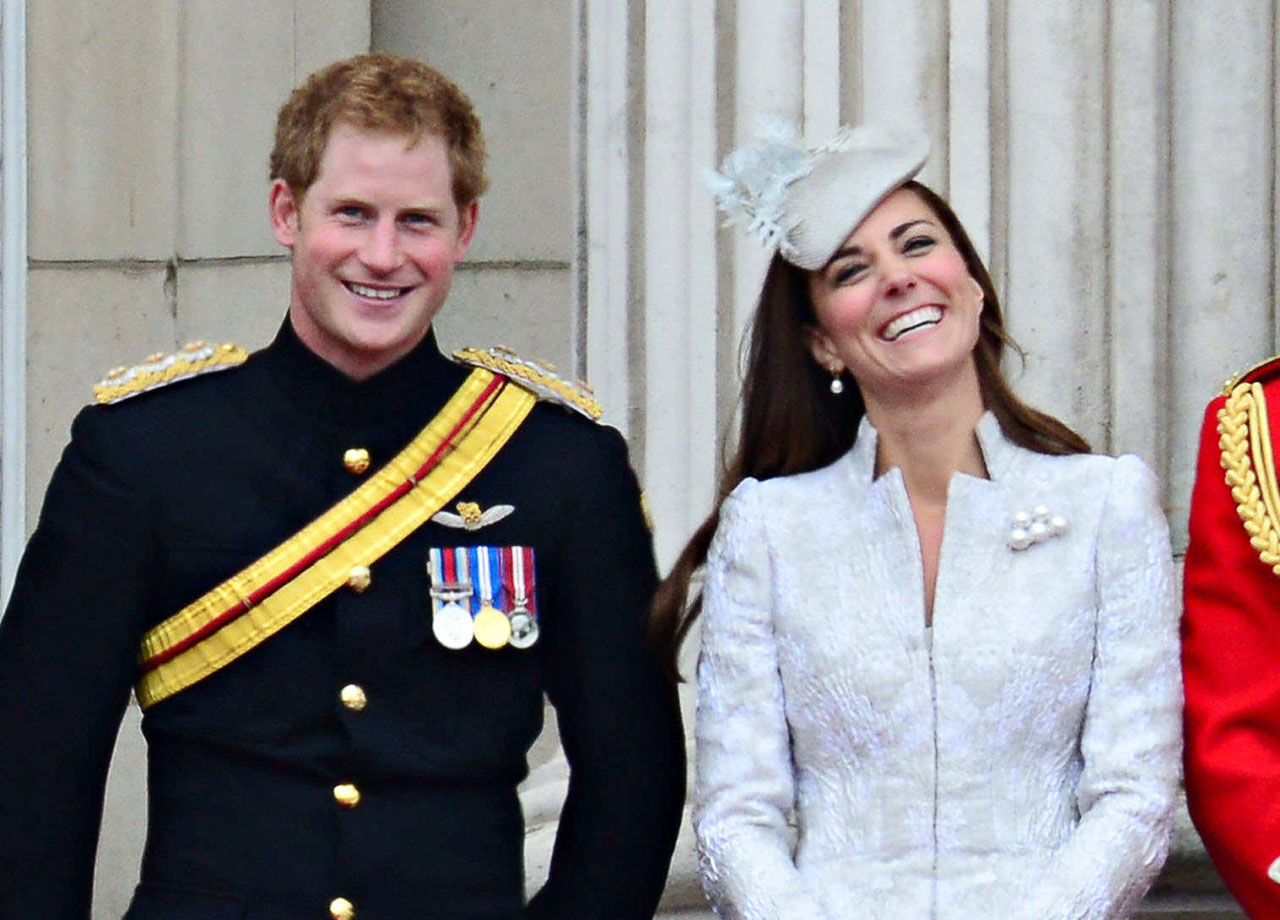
(341, 573)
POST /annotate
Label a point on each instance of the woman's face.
(896, 305)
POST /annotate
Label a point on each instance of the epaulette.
(1248, 461)
(1265, 368)
(538, 376)
(158, 370)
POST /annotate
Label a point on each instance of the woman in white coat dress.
(939, 673)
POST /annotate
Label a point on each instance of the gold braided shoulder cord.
(194, 359)
(1245, 442)
(529, 372)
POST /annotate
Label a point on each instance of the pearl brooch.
(1040, 524)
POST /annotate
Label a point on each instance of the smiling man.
(341, 574)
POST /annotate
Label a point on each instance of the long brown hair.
(793, 423)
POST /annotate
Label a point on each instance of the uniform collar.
(416, 385)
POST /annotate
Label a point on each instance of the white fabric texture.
(1021, 764)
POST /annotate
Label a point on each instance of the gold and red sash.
(290, 579)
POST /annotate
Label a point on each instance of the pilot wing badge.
(471, 517)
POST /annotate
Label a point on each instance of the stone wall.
(148, 149)
(515, 61)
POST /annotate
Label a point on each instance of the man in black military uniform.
(322, 748)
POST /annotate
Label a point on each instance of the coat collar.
(998, 452)
(413, 388)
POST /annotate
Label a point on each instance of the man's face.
(374, 242)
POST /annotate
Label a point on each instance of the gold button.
(346, 795)
(359, 578)
(342, 909)
(353, 697)
(356, 460)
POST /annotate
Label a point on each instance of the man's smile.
(375, 293)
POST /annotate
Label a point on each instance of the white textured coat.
(1021, 764)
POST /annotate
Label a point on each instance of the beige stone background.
(1114, 160)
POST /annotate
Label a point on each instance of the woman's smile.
(911, 322)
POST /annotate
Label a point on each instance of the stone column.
(1221, 235)
(680, 280)
(768, 82)
(1137, 295)
(608, 264)
(1055, 218)
(13, 288)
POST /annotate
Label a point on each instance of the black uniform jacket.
(161, 497)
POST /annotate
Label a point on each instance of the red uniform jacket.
(1231, 642)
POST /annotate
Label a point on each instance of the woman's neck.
(930, 437)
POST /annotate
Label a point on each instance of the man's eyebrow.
(424, 209)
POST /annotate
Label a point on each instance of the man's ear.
(819, 344)
(468, 217)
(284, 208)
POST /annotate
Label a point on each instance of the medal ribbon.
(462, 565)
(484, 567)
(435, 568)
(521, 583)
(506, 575)
(518, 563)
(448, 586)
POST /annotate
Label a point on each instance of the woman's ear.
(978, 292)
(824, 353)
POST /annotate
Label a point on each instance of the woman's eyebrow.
(894, 234)
(903, 228)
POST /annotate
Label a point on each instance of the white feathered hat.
(805, 201)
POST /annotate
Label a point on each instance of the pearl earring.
(837, 385)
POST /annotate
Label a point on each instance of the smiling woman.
(939, 671)
(897, 307)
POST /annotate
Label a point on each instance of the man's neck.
(354, 364)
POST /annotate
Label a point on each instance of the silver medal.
(524, 629)
(451, 625)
